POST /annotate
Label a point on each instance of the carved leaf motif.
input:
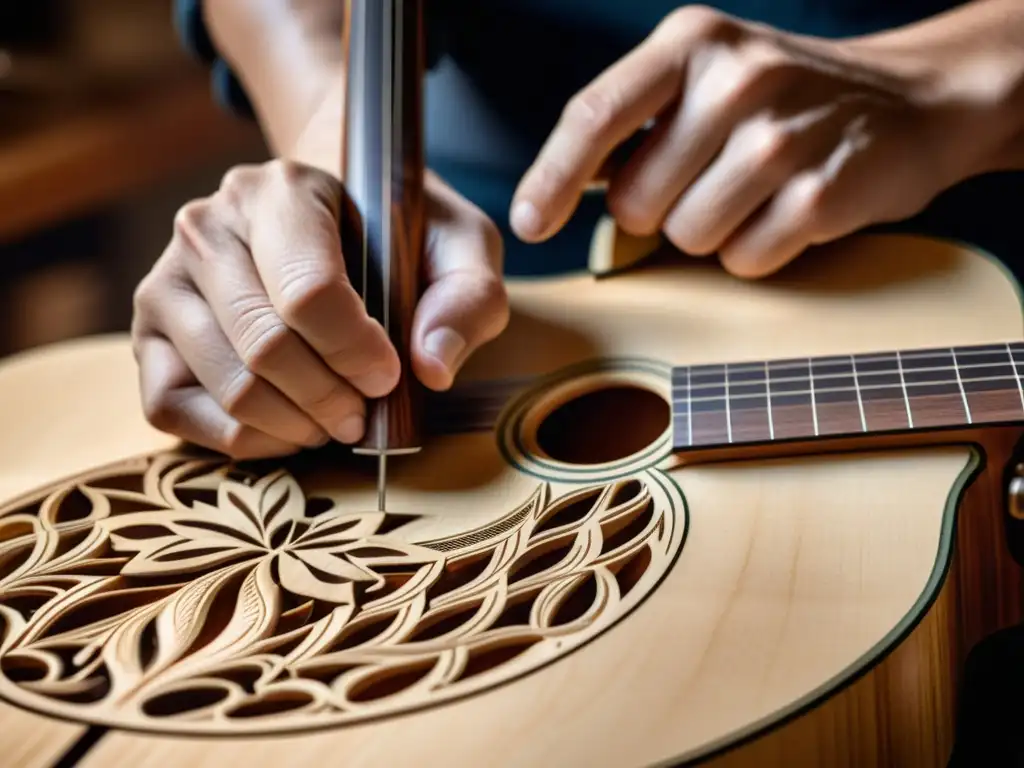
(297, 578)
(178, 590)
(255, 613)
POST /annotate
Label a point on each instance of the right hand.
(251, 340)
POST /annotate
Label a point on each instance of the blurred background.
(106, 128)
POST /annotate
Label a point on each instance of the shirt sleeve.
(227, 90)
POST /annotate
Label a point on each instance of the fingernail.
(525, 219)
(446, 346)
(350, 429)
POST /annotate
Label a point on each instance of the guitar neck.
(812, 398)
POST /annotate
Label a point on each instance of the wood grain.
(384, 229)
(819, 605)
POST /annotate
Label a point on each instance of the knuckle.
(492, 302)
(496, 299)
(260, 336)
(288, 178)
(235, 440)
(750, 76)
(692, 234)
(549, 176)
(193, 226)
(156, 292)
(238, 393)
(683, 237)
(698, 21)
(304, 288)
(143, 298)
(632, 211)
(771, 145)
(159, 409)
(192, 219)
(809, 199)
(592, 111)
(288, 174)
(741, 77)
(334, 400)
(493, 242)
(358, 352)
(240, 179)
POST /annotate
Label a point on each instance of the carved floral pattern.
(184, 595)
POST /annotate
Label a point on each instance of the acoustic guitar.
(668, 517)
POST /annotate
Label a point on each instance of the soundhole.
(604, 425)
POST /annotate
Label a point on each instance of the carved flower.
(321, 557)
(123, 599)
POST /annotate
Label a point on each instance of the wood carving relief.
(182, 594)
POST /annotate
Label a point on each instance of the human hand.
(252, 341)
(763, 142)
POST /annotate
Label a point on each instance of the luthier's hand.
(765, 142)
(252, 341)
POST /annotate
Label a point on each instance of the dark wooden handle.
(383, 169)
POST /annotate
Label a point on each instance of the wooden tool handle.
(383, 170)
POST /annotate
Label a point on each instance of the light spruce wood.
(796, 574)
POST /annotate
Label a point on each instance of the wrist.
(287, 56)
(319, 142)
(964, 70)
(990, 98)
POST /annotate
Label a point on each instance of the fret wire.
(799, 382)
(906, 399)
(1016, 374)
(860, 400)
(814, 405)
(689, 408)
(959, 381)
(728, 410)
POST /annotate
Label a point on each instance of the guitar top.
(564, 575)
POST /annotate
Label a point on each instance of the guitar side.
(805, 610)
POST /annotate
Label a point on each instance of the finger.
(466, 304)
(269, 348)
(757, 159)
(780, 232)
(607, 112)
(295, 244)
(729, 88)
(824, 202)
(174, 403)
(192, 329)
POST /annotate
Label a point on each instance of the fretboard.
(836, 396)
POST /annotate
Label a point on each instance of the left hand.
(763, 144)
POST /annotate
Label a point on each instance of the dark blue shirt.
(502, 71)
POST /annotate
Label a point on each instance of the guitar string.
(389, 10)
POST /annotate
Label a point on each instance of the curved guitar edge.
(929, 638)
(933, 631)
(933, 639)
(908, 671)
(880, 708)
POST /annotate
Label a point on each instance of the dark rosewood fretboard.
(836, 396)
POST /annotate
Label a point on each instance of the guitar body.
(550, 584)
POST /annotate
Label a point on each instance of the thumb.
(465, 304)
